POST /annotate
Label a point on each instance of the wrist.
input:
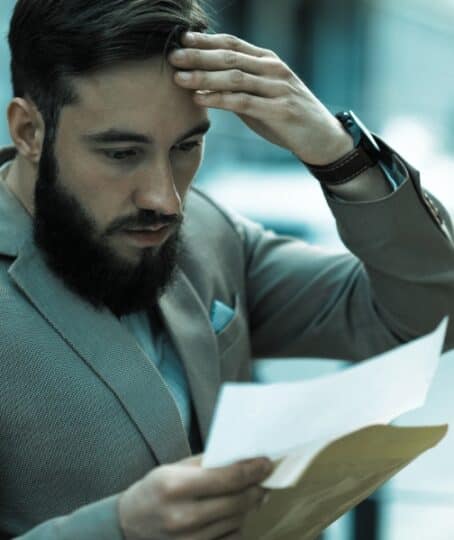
(333, 146)
(366, 153)
(341, 145)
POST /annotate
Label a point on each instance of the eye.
(121, 155)
(188, 146)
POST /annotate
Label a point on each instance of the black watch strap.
(344, 169)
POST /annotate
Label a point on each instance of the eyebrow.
(114, 135)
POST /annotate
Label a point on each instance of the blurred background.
(389, 61)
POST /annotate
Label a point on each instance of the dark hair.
(51, 40)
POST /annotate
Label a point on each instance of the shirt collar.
(15, 222)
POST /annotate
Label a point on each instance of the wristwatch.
(366, 154)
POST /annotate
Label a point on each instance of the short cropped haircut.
(52, 40)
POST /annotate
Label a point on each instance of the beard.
(77, 253)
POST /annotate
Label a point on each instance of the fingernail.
(201, 97)
(267, 466)
(178, 54)
(184, 75)
(264, 466)
(189, 37)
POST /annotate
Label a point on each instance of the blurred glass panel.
(409, 519)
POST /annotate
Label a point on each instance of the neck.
(20, 180)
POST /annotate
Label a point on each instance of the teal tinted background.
(390, 61)
(6, 7)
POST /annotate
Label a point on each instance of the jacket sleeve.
(98, 520)
(396, 283)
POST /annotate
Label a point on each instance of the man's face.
(110, 193)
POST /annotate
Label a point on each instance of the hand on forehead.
(226, 72)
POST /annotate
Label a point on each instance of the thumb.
(193, 461)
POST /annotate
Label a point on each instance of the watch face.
(361, 135)
(349, 122)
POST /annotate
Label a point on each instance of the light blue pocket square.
(220, 316)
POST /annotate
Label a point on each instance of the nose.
(157, 190)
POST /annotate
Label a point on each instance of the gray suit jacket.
(84, 414)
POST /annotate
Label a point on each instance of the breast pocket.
(234, 346)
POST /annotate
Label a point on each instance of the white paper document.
(296, 420)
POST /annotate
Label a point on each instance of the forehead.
(140, 96)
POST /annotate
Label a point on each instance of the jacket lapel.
(188, 323)
(103, 343)
(112, 353)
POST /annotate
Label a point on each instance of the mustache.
(145, 218)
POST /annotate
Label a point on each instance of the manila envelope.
(343, 474)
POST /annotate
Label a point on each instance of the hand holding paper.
(325, 433)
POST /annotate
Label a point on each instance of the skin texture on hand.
(186, 502)
(258, 86)
(228, 73)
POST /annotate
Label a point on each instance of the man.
(127, 297)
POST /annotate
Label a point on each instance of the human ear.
(26, 127)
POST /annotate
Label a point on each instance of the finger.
(233, 81)
(195, 461)
(237, 102)
(223, 41)
(224, 481)
(216, 60)
(213, 509)
(191, 517)
(227, 528)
